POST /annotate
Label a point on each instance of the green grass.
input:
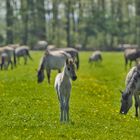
(30, 111)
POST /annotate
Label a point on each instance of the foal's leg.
(67, 110)
(67, 106)
(61, 108)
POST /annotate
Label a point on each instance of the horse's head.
(70, 69)
(126, 102)
(40, 75)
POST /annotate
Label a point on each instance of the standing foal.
(63, 88)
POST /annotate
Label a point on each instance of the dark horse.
(131, 55)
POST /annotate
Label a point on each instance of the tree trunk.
(137, 3)
(9, 23)
(55, 20)
(25, 18)
(41, 21)
(68, 25)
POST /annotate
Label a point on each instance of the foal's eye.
(68, 69)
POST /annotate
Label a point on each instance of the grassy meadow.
(30, 111)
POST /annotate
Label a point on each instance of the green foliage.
(31, 111)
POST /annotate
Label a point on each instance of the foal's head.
(70, 69)
(126, 102)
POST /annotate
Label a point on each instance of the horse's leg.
(25, 59)
(2, 64)
(136, 61)
(18, 59)
(130, 64)
(59, 70)
(136, 105)
(49, 75)
(10, 62)
(126, 62)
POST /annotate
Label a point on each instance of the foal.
(63, 88)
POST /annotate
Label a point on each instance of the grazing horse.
(95, 57)
(131, 55)
(63, 88)
(73, 52)
(10, 53)
(51, 60)
(41, 45)
(23, 51)
(132, 88)
(4, 61)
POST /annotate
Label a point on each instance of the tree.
(137, 4)
(68, 22)
(25, 20)
(9, 22)
(41, 20)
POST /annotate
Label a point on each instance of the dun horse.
(51, 61)
(132, 89)
(63, 88)
(131, 55)
(10, 54)
(4, 61)
(95, 57)
(73, 52)
(23, 51)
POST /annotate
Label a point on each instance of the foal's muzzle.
(74, 78)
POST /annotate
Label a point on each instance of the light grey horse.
(131, 55)
(95, 57)
(51, 60)
(41, 45)
(132, 89)
(73, 52)
(63, 88)
(10, 55)
(23, 51)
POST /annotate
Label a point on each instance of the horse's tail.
(28, 54)
(15, 61)
(126, 61)
(78, 60)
